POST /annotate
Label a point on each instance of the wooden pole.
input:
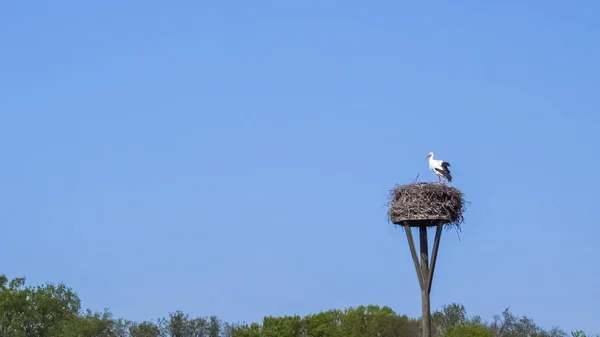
(425, 299)
(434, 253)
(413, 253)
(424, 269)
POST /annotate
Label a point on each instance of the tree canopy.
(55, 311)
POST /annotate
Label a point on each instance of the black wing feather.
(445, 172)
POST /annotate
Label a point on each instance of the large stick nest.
(424, 203)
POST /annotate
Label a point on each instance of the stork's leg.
(439, 179)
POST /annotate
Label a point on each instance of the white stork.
(440, 168)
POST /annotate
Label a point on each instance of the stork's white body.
(440, 168)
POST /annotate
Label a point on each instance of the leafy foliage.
(469, 330)
(35, 311)
(54, 310)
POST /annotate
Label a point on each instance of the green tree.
(144, 329)
(373, 320)
(384, 322)
(287, 326)
(177, 325)
(214, 327)
(54, 310)
(323, 324)
(95, 324)
(39, 311)
(469, 330)
(450, 315)
(245, 330)
(580, 333)
(405, 327)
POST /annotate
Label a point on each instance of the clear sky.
(235, 158)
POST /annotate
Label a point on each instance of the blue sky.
(234, 158)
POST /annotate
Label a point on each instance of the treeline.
(55, 311)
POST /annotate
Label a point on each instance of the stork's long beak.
(428, 156)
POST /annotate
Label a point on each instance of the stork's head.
(430, 155)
